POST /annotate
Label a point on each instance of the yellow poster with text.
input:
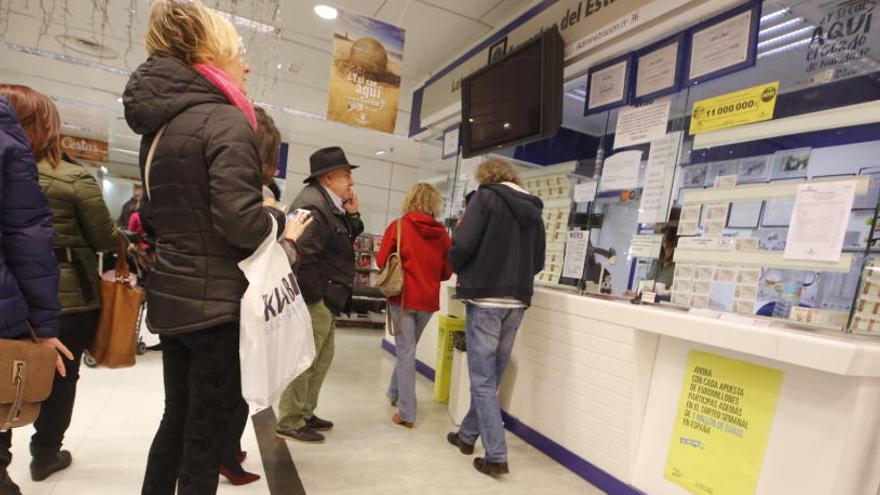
(724, 418)
(732, 109)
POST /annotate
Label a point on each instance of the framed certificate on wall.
(724, 44)
(608, 85)
(658, 69)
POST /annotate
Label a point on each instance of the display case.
(722, 210)
(769, 218)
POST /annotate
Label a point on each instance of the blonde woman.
(423, 249)
(204, 194)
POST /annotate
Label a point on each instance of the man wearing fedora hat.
(325, 274)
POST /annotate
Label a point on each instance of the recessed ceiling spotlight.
(380, 152)
(104, 169)
(325, 11)
(279, 66)
(119, 100)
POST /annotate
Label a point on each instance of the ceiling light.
(782, 26)
(104, 170)
(785, 37)
(786, 48)
(119, 100)
(380, 152)
(326, 11)
(775, 15)
(279, 66)
(507, 125)
(246, 23)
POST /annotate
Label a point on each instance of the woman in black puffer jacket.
(206, 208)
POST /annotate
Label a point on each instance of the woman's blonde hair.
(423, 198)
(494, 170)
(191, 32)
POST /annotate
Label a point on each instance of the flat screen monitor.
(516, 99)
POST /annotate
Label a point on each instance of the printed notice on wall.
(575, 253)
(658, 178)
(585, 191)
(724, 417)
(819, 221)
(621, 171)
(646, 246)
(642, 123)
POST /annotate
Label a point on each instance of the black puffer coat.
(205, 198)
(326, 265)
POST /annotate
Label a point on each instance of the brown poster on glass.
(365, 72)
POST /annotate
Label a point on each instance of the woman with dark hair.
(203, 188)
(268, 140)
(28, 270)
(268, 146)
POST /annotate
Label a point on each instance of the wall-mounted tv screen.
(516, 99)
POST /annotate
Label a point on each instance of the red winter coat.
(425, 261)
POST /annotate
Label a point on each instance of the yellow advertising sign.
(724, 418)
(741, 107)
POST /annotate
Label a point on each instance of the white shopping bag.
(276, 342)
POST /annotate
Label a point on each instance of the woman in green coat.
(82, 226)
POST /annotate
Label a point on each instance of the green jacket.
(82, 223)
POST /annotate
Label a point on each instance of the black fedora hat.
(326, 160)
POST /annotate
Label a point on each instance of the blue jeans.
(403, 379)
(490, 335)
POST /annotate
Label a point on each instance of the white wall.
(380, 185)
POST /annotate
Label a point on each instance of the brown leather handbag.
(27, 369)
(390, 278)
(390, 281)
(116, 336)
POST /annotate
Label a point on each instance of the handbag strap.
(402, 273)
(32, 332)
(149, 164)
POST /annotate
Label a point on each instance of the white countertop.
(841, 354)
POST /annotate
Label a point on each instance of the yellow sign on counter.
(724, 418)
(741, 107)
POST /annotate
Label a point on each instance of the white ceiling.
(290, 71)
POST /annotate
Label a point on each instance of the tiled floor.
(367, 454)
(117, 413)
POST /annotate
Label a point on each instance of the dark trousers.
(202, 394)
(77, 332)
(238, 425)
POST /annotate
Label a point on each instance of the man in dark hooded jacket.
(497, 250)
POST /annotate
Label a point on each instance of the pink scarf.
(221, 80)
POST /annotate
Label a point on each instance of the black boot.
(7, 486)
(48, 461)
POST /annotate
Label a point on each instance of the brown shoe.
(454, 439)
(304, 435)
(399, 421)
(490, 468)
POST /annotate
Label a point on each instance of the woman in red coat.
(425, 264)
